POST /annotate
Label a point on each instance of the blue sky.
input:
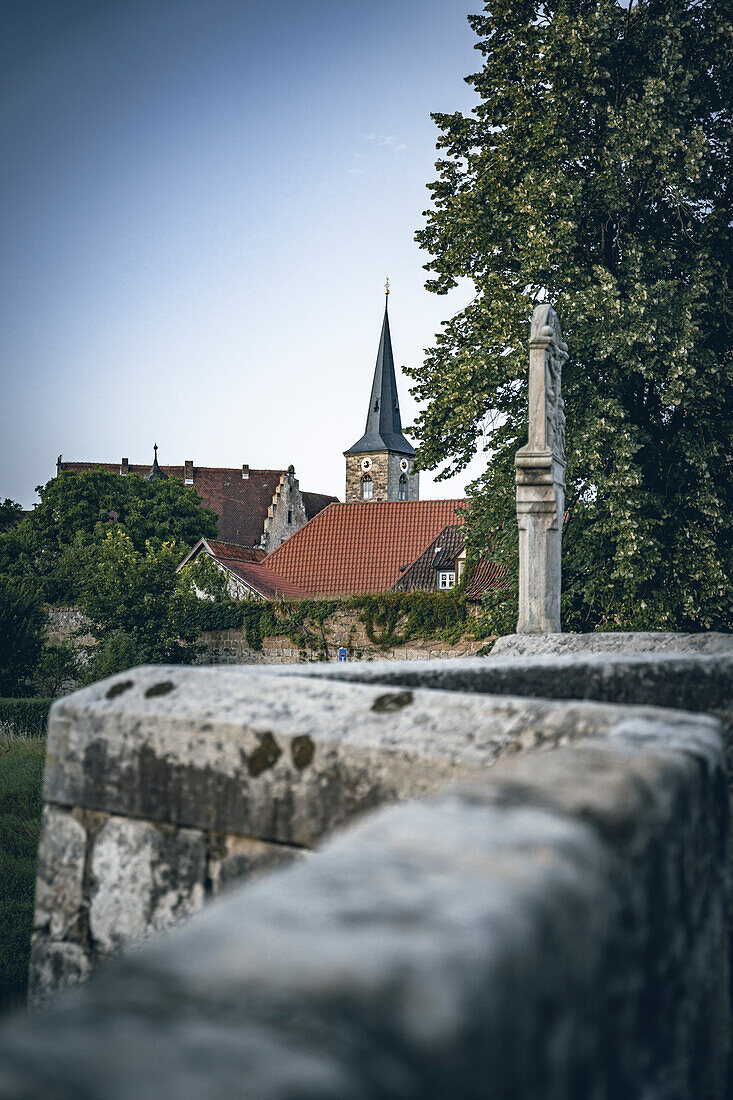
(200, 202)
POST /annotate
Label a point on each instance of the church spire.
(155, 473)
(383, 425)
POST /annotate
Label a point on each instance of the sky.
(199, 203)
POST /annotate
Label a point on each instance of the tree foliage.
(595, 172)
(22, 621)
(133, 597)
(10, 514)
(55, 543)
(204, 579)
(110, 543)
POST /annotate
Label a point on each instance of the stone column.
(540, 478)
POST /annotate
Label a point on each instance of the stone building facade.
(385, 469)
(285, 514)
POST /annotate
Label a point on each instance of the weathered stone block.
(616, 642)
(232, 858)
(143, 879)
(686, 680)
(222, 749)
(55, 965)
(60, 873)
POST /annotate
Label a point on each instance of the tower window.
(367, 487)
(290, 515)
(403, 487)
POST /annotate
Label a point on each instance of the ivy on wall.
(395, 618)
(254, 616)
(389, 619)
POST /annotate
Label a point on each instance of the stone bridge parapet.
(539, 913)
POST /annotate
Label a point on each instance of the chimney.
(188, 471)
(245, 470)
(124, 467)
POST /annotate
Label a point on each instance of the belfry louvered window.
(367, 487)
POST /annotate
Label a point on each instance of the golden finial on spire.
(386, 287)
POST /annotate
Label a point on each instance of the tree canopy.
(56, 541)
(89, 502)
(22, 620)
(10, 514)
(595, 172)
(134, 599)
(111, 544)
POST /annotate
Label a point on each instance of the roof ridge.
(174, 466)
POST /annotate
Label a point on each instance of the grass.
(21, 777)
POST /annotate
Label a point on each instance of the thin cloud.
(385, 141)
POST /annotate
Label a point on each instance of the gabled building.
(256, 508)
(246, 576)
(436, 569)
(440, 567)
(379, 465)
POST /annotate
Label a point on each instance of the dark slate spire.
(155, 473)
(383, 425)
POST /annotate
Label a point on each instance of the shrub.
(21, 803)
(116, 653)
(25, 716)
(22, 620)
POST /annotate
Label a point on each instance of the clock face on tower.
(366, 463)
(403, 465)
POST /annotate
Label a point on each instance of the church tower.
(379, 465)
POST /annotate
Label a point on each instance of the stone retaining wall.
(343, 628)
(548, 919)
(69, 624)
(230, 647)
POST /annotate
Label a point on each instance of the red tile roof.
(361, 547)
(264, 580)
(488, 575)
(241, 503)
(230, 551)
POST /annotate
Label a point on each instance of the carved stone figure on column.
(540, 478)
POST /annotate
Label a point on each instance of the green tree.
(595, 172)
(90, 502)
(117, 652)
(77, 510)
(133, 596)
(10, 514)
(202, 579)
(22, 621)
(58, 667)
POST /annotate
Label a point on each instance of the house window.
(446, 578)
(290, 516)
(367, 487)
(403, 487)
